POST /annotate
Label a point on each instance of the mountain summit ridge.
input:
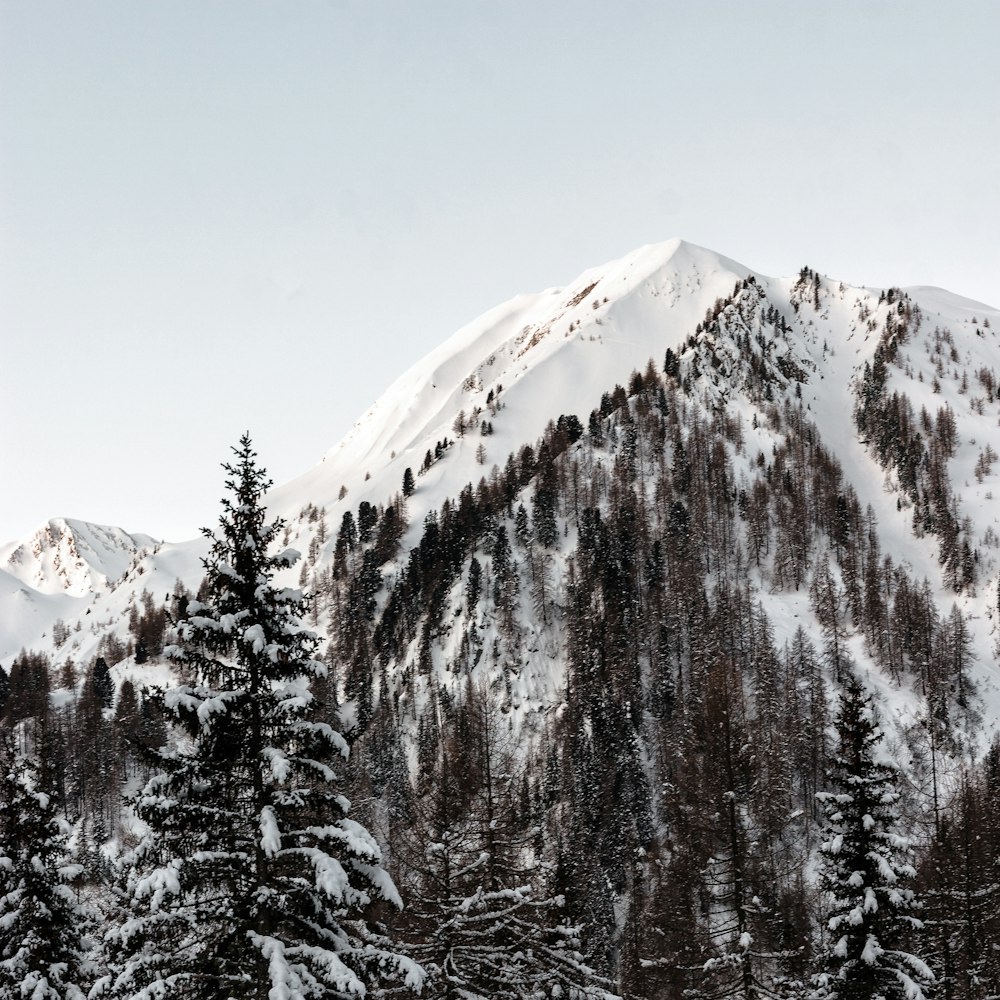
(72, 556)
(501, 345)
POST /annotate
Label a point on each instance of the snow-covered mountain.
(72, 557)
(620, 577)
(540, 355)
(558, 352)
(57, 572)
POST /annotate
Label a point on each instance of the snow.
(270, 836)
(194, 699)
(331, 879)
(357, 840)
(160, 883)
(278, 763)
(254, 635)
(525, 346)
(886, 871)
(872, 952)
(285, 983)
(382, 882)
(74, 557)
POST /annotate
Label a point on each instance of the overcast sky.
(218, 216)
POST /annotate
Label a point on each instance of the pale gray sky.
(218, 215)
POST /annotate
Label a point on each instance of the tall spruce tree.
(866, 868)
(42, 925)
(252, 881)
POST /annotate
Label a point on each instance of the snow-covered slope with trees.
(536, 356)
(591, 581)
(57, 573)
(524, 363)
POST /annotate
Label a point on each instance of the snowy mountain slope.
(835, 332)
(951, 363)
(27, 615)
(524, 351)
(829, 341)
(540, 355)
(525, 363)
(56, 572)
(72, 557)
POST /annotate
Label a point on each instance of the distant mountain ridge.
(72, 556)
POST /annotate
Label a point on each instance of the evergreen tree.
(252, 881)
(866, 868)
(543, 503)
(103, 685)
(28, 694)
(42, 951)
(91, 756)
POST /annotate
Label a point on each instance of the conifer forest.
(618, 719)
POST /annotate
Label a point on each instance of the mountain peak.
(544, 352)
(72, 557)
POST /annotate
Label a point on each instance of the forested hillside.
(690, 693)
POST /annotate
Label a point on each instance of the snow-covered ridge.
(538, 355)
(59, 573)
(72, 557)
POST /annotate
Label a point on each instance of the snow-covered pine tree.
(250, 880)
(42, 925)
(866, 868)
